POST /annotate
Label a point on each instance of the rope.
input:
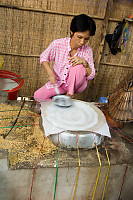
(78, 167)
(35, 168)
(119, 198)
(56, 169)
(22, 104)
(118, 131)
(98, 171)
(11, 110)
(20, 126)
(107, 172)
(15, 126)
(20, 117)
(125, 169)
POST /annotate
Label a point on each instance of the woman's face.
(79, 39)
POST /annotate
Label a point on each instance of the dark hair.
(81, 23)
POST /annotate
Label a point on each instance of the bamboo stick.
(115, 64)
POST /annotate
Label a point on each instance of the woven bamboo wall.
(28, 27)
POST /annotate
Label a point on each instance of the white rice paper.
(82, 116)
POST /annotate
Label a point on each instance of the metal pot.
(86, 138)
(68, 140)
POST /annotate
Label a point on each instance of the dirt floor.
(25, 139)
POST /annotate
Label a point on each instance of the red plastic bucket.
(13, 93)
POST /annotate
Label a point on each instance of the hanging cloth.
(113, 39)
(124, 37)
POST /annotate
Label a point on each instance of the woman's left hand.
(75, 60)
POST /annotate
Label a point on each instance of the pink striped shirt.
(59, 51)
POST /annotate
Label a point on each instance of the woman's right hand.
(51, 75)
(52, 78)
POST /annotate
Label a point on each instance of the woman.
(73, 61)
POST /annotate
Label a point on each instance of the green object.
(56, 172)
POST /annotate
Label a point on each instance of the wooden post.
(101, 45)
(105, 25)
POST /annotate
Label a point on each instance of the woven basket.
(120, 104)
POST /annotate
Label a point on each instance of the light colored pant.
(76, 82)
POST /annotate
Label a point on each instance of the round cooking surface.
(79, 116)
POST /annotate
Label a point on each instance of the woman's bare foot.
(69, 95)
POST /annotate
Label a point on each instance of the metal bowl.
(62, 101)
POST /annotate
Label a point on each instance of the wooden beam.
(55, 12)
(46, 11)
(116, 65)
(21, 55)
(103, 63)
